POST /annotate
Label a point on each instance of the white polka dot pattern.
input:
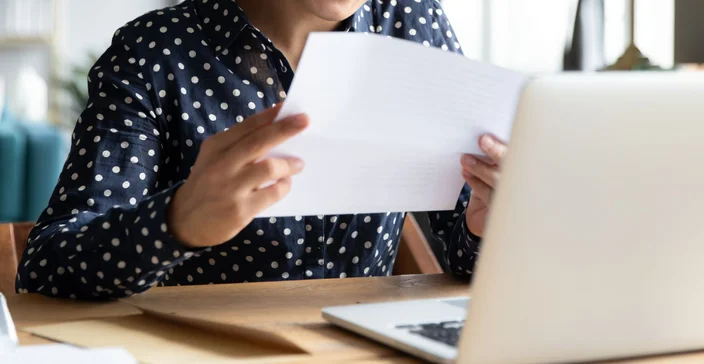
(171, 79)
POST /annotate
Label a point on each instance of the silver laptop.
(595, 246)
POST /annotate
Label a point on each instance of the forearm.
(460, 246)
(99, 256)
(462, 249)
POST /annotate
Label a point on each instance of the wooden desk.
(293, 306)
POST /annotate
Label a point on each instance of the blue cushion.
(13, 157)
(46, 153)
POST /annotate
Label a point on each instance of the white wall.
(506, 33)
(655, 30)
(88, 25)
(467, 18)
(529, 35)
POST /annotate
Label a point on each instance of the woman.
(161, 184)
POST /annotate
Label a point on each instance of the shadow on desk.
(153, 340)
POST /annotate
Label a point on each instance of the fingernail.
(297, 164)
(487, 142)
(468, 160)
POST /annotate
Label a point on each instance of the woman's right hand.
(222, 195)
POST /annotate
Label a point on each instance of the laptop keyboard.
(445, 332)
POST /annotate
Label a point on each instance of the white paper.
(8, 333)
(64, 354)
(390, 120)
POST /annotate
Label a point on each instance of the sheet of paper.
(65, 354)
(157, 341)
(8, 333)
(389, 121)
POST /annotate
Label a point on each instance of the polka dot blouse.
(169, 80)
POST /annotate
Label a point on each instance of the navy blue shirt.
(171, 79)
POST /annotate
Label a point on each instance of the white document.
(390, 120)
(64, 354)
(8, 333)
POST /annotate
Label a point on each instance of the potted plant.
(74, 88)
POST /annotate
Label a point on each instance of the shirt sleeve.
(460, 246)
(104, 233)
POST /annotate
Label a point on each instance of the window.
(530, 36)
(523, 35)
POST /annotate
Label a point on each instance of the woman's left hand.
(482, 174)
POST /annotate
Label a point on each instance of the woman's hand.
(222, 195)
(482, 175)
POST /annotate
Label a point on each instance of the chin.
(333, 10)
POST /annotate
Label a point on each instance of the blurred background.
(533, 35)
(47, 46)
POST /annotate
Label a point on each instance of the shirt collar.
(361, 20)
(224, 20)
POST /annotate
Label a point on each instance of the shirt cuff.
(466, 233)
(151, 232)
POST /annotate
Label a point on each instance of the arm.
(104, 232)
(460, 246)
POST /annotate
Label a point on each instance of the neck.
(287, 26)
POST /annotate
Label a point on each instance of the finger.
(265, 197)
(487, 173)
(258, 143)
(485, 159)
(238, 132)
(480, 190)
(254, 176)
(493, 148)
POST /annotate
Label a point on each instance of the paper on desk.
(390, 120)
(64, 354)
(167, 339)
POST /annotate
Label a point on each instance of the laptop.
(594, 249)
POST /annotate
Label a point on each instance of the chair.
(13, 238)
(414, 253)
